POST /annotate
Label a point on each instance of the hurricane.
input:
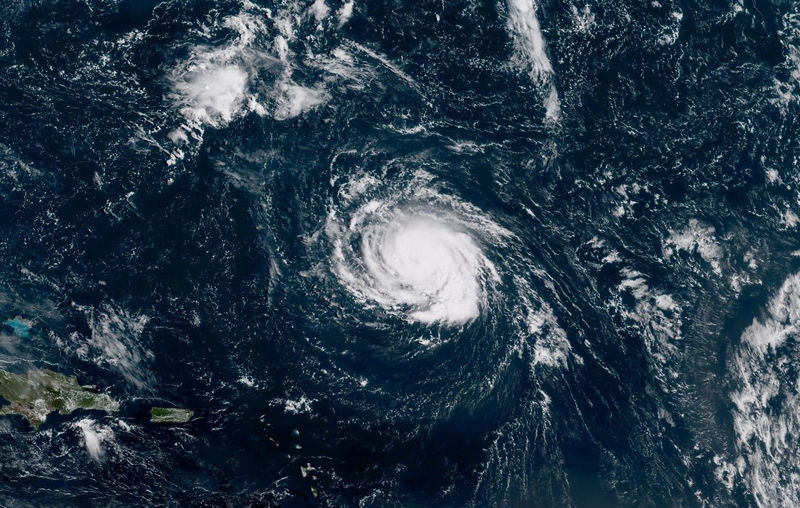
(415, 259)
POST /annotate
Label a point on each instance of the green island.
(37, 393)
(170, 415)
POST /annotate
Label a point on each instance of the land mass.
(170, 415)
(37, 393)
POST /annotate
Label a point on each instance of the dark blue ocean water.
(523, 253)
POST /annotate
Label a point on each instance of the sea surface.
(404, 253)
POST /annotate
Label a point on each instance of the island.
(170, 415)
(37, 393)
(20, 325)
